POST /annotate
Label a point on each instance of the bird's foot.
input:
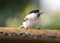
(22, 27)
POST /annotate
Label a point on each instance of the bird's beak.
(41, 12)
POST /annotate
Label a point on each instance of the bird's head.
(36, 12)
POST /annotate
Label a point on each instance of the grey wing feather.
(25, 19)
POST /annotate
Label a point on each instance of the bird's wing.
(26, 18)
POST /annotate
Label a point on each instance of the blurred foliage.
(54, 23)
(13, 11)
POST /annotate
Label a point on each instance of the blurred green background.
(12, 13)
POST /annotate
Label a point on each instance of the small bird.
(32, 20)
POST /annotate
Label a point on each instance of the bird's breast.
(31, 23)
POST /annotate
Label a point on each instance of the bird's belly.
(30, 24)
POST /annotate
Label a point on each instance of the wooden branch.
(33, 31)
(45, 35)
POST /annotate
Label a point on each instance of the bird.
(32, 20)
